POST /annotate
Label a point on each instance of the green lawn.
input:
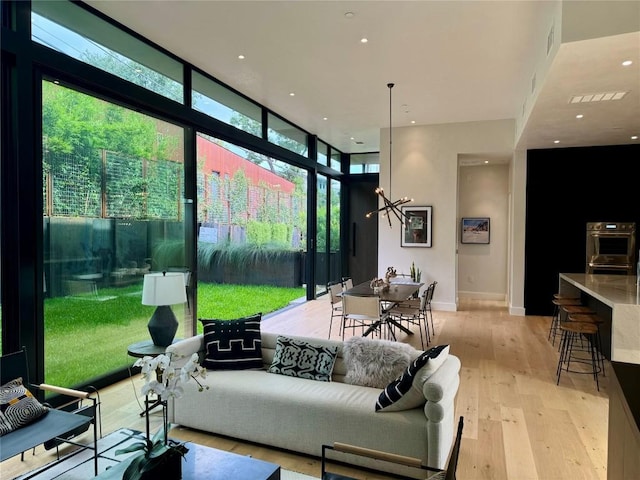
(87, 337)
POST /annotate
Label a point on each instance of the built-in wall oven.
(611, 247)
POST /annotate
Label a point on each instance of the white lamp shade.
(164, 289)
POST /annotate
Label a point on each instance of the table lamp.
(162, 290)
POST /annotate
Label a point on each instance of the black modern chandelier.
(388, 206)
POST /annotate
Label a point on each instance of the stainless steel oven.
(611, 247)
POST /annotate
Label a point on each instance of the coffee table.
(208, 463)
(205, 462)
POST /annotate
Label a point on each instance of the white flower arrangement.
(164, 380)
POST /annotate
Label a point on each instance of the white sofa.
(301, 415)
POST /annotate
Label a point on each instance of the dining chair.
(335, 297)
(347, 283)
(430, 289)
(363, 312)
(413, 312)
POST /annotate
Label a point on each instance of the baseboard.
(445, 307)
(499, 297)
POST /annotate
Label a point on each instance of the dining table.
(398, 291)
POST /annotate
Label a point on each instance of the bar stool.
(571, 331)
(559, 301)
(597, 321)
(567, 310)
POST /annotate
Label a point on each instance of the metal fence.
(102, 184)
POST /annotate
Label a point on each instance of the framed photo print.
(416, 228)
(475, 230)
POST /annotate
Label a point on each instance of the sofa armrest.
(440, 391)
(443, 380)
(187, 347)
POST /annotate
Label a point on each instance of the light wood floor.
(518, 424)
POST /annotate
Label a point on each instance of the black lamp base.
(163, 326)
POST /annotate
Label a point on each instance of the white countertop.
(609, 289)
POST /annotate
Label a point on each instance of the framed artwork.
(416, 228)
(475, 230)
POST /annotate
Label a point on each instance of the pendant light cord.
(390, 85)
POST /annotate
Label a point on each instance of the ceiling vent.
(597, 97)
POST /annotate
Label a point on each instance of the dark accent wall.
(566, 188)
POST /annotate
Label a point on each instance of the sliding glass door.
(113, 182)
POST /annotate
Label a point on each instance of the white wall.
(482, 269)
(425, 167)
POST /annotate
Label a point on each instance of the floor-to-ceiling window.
(252, 221)
(335, 264)
(112, 202)
(109, 160)
(322, 263)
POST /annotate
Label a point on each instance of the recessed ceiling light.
(364, 40)
(325, 118)
(349, 15)
(413, 121)
(292, 94)
(579, 115)
(556, 141)
(486, 161)
(241, 57)
(626, 63)
(634, 137)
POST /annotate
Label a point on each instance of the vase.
(169, 469)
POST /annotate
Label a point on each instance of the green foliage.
(258, 233)
(135, 72)
(240, 255)
(167, 253)
(268, 233)
(238, 201)
(105, 328)
(416, 274)
(281, 234)
(141, 179)
(151, 454)
(213, 300)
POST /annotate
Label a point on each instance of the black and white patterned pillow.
(298, 358)
(232, 344)
(18, 407)
(405, 392)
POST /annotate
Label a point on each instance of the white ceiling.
(451, 61)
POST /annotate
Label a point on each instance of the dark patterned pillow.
(405, 392)
(232, 344)
(298, 358)
(18, 407)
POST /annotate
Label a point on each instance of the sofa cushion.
(232, 344)
(18, 407)
(299, 358)
(406, 391)
(375, 363)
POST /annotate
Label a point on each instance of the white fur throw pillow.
(375, 363)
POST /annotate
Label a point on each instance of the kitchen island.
(616, 298)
